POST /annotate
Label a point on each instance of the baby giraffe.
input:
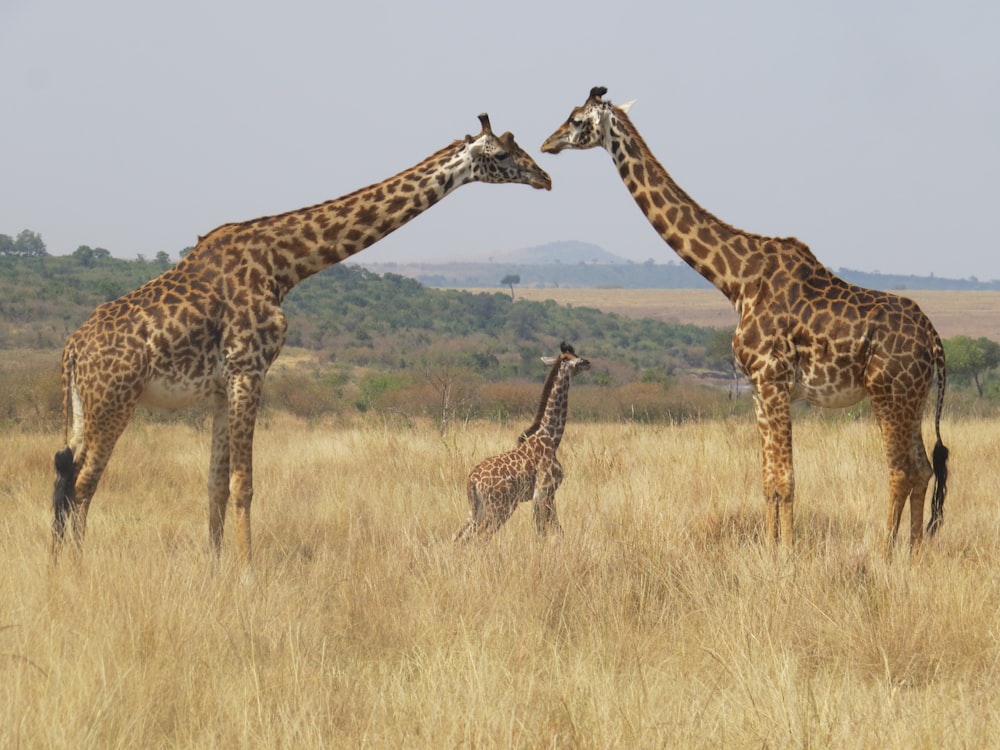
(530, 471)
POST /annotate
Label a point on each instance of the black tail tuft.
(63, 493)
(939, 460)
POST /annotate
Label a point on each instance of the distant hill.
(569, 251)
(585, 265)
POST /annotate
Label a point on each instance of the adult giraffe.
(210, 327)
(803, 333)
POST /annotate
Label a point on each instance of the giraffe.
(210, 327)
(531, 470)
(803, 333)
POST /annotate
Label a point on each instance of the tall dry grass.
(658, 620)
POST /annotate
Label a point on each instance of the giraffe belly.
(161, 393)
(828, 396)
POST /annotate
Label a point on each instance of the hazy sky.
(870, 130)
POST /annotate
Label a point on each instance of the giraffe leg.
(490, 511)
(773, 408)
(924, 472)
(463, 534)
(482, 527)
(545, 511)
(89, 462)
(492, 517)
(544, 500)
(909, 471)
(218, 475)
(244, 400)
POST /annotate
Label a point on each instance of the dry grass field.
(972, 314)
(659, 619)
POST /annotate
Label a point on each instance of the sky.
(869, 130)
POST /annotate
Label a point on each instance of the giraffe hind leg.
(463, 535)
(486, 516)
(909, 474)
(90, 460)
(920, 473)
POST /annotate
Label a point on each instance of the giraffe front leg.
(773, 408)
(218, 475)
(544, 501)
(244, 400)
(545, 514)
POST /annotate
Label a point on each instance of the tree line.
(355, 317)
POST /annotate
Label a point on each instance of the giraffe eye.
(576, 122)
(501, 155)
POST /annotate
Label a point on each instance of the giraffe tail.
(63, 494)
(939, 457)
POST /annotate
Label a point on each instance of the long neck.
(553, 421)
(550, 380)
(297, 244)
(716, 250)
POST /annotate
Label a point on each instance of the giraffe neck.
(295, 245)
(553, 421)
(719, 252)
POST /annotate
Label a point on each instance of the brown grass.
(972, 314)
(658, 620)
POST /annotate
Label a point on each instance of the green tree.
(6, 244)
(719, 355)
(85, 255)
(969, 359)
(29, 244)
(509, 280)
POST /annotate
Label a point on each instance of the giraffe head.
(567, 359)
(499, 159)
(568, 362)
(588, 125)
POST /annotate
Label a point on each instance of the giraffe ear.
(626, 106)
(549, 360)
(475, 144)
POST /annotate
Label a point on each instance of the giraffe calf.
(530, 471)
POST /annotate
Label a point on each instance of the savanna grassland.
(658, 619)
(966, 313)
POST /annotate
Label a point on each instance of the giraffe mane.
(622, 114)
(346, 197)
(546, 392)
